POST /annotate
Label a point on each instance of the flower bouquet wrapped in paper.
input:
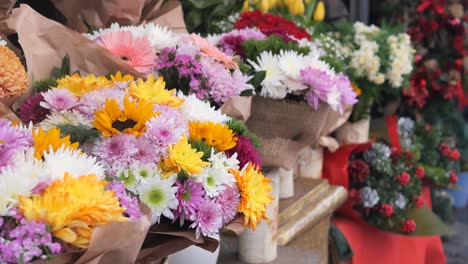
(56, 204)
(377, 60)
(299, 97)
(194, 167)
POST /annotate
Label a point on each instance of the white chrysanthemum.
(55, 119)
(19, 179)
(213, 39)
(334, 98)
(272, 85)
(72, 161)
(317, 63)
(291, 63)
(193, 109)
(216, 177)
(98, 33)
(159, 195)
(160, 36)
(370, 197)
(400, 201)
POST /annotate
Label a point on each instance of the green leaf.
(44, 85)
(247, 92)
(80, 134)
(257, 79)
(427, 223)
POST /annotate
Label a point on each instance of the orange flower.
(13, 79)
(213, 52)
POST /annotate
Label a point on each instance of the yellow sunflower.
(119, 78)
(216, 135)
(73, 208)
(154, 92)
(254, 189)
(182, 157)
(43, 141)
(79, 86)
(111, 120)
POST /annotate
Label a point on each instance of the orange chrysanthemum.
(13, 78)
(73, 208)
(254, 190)
(216, 135)
(44, 141)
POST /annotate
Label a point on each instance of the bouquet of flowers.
(379, 60)
(54, 198)
(194, 167)
(384, 188)
(312, 93)
(435, 153)
(188, 63)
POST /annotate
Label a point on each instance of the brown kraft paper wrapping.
(110, 244)
(238, 107)
(45, 43)
(285, 127)
(102, 13)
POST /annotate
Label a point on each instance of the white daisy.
(160, 195)
(160, 36)
(291, 63)
(213, 39)
(273, 85)
(72, 117)
(216, 177)
(72, 161)
(98, 33)
(19, 179)
(194, 109)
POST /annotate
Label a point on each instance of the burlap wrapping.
(102, 13)
(110, 244)
(285, 127)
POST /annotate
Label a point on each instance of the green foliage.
(274, 44)
(80, 134)
(201, 147)
(241, 129)
(57, 73)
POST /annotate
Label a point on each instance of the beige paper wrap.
(354, 133)
(102, 13)
(286, 127)
(261, 245)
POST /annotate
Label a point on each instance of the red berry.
(408, 226)
(454, 155)
(420, 172)
(404, 178)
(453, 177)
(386, 210)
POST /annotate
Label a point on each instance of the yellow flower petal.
(154, 92)
(216, 135)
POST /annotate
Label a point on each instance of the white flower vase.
(286, 178)
(195, 255)
(354, 133)
(310, 163)
(260, 246)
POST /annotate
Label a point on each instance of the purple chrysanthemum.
(348, 95)
(208, 219)
(190, 196)
(246, 152)
(92, 101)
(117, 151)
(132, 209)
(59, 100)
(147, 154)
(229, 200)
(320, 84)
(12, 140)
(231, 43)
(31, 111)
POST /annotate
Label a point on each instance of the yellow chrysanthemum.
(119, 78)
(154, 92)
(216, 135)
(182, 157)
(43, 141)
(111, 120)
(13, 79)
(356, 89)
(254, 189)
(79, 86)
(73, 208)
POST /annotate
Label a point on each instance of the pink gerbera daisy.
(59, 100)
(137, 52)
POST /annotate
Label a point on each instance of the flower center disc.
(122, 125)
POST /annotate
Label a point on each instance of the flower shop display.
(194, 167)
(55, 197)
(294, 88)
(377, 60)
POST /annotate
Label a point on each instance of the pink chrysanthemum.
(137, 52)
(190, 196)
(59, 100)
(118, 151)
(94, 100)
(209, 219)
(229, 200)
(12, 140)
(147, 154)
